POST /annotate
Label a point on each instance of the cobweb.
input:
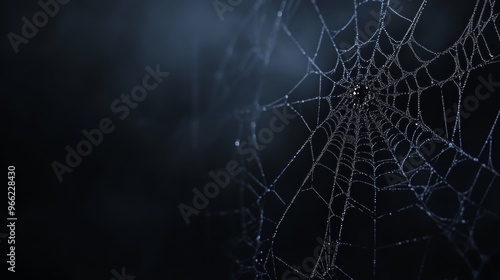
(377, 177)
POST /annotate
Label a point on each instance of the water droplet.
(237, 142)
(280, 14)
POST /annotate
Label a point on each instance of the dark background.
(118, 208)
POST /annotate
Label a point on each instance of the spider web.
(374, 178)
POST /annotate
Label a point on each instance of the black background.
(118, 208)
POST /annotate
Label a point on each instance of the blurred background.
(119, 207)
